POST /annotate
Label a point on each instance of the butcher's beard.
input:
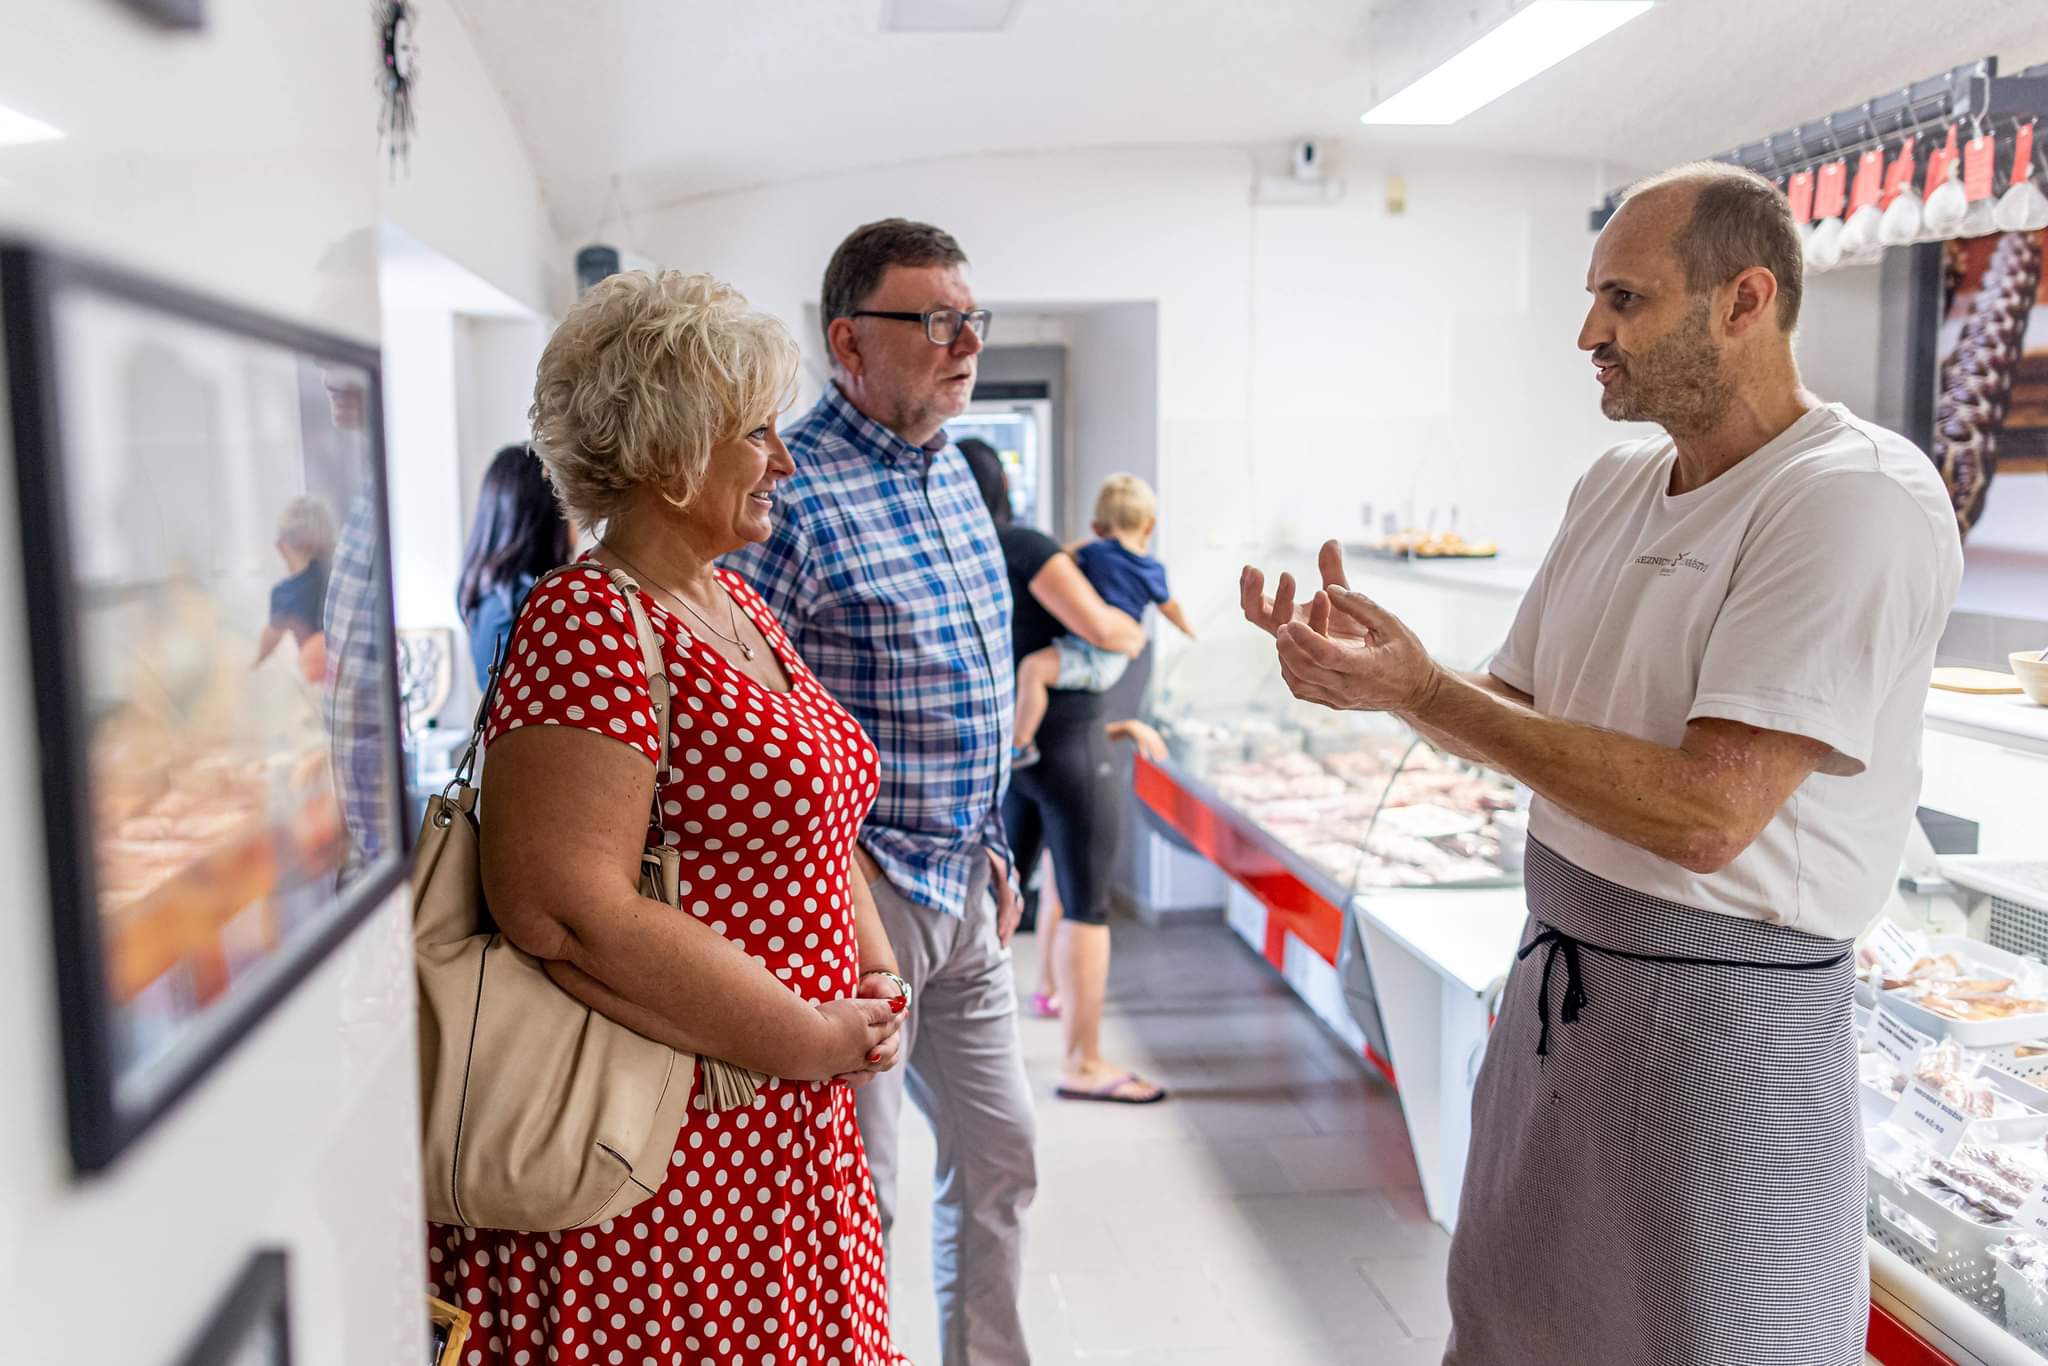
(1675, 382)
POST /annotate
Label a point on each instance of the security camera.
(1308, 160)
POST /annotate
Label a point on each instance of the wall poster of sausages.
(1990, 436)
(1991, 400)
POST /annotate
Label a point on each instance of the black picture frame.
(252, 1325)
(102, 1121)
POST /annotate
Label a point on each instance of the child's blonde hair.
(1126, 503)
(307, 529)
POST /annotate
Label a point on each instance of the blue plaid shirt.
(885, 571)
(357, 700)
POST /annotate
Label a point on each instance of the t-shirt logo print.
(1667, 565)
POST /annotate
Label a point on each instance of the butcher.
(1714, 689)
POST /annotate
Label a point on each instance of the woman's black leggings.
(1068, 802)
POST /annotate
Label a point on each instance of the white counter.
(1437, 960)
(2010, 722)
(1468, 937)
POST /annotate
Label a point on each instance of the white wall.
(236, 160)
(1308, 358)
(426, 465)
(1840, 322)
(1114, 399)
(495, 360)
(469, 191)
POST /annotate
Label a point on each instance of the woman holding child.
(1069, 799)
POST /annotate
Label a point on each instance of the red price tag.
(1799, 193)
(1977, 168)
(1831, 190)
(2023, 153)
(1869, 179)
(1938, 162)
(1900, 175)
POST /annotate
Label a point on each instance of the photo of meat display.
(207, 585)
(1991, 399)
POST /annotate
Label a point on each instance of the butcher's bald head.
(1721, 221)
(1696, 285)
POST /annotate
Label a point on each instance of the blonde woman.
(654, 414)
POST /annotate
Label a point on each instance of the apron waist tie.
(1556, 942)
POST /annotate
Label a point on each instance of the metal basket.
(2018, 927)
(2018, 892)
(1951, 1249)
(2026, 1309)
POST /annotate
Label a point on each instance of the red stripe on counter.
(1237, 847)
(1894, 1344)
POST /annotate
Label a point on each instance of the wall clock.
(398, 70)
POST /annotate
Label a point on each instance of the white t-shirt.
(1804, 591)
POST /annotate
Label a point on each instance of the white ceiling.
(682, 98)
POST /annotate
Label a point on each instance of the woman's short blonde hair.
(646, 374)
(1126, 503)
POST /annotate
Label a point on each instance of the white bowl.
(2032, 670)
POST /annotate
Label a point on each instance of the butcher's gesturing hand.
(1342, 649)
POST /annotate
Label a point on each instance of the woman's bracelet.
(902, 987)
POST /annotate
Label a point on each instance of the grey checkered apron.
(1667, 1160)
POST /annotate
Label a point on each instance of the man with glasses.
(885, 570)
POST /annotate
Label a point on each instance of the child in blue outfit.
(1119, 564)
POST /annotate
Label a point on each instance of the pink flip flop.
(1045, 1005)
(1107, 1092)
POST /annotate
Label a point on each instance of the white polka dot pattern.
(764, 1245)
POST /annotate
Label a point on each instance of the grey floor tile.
(1267, 1213)
(1414, 1290)
(1345, 1162)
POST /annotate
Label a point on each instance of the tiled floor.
(1268, 1212)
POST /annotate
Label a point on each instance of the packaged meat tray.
(1933, 1225)
(1980, 996)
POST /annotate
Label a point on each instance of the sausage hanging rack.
(1973, 94)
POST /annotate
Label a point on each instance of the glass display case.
(1361, 797)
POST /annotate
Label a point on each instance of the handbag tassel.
(726, 1085)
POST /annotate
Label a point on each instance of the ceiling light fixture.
(1535, 39)
(17, 128)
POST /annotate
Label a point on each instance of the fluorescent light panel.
(1535, 39)
(17, 128)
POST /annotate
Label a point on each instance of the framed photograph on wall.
(206, 578)
(252, 1326)
(1982, 314)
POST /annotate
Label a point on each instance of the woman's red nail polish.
(874, 1057)
(897, 1003)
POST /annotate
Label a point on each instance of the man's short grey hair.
(856, 269)
(1739, 220)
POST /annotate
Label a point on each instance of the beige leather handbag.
(540, 1113)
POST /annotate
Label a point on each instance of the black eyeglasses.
(941, 325)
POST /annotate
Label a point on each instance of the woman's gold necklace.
(746, 650)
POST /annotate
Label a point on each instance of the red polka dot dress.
(763, 1247)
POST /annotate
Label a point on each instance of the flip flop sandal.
(1045, 1005)
(1107, 1092)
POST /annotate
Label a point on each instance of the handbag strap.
(659, 688)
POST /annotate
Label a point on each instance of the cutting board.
(1981, 682)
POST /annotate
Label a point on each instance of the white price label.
(1929, 1120)
(2033, 1215)
(1898, 1041)
(1896, 952)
